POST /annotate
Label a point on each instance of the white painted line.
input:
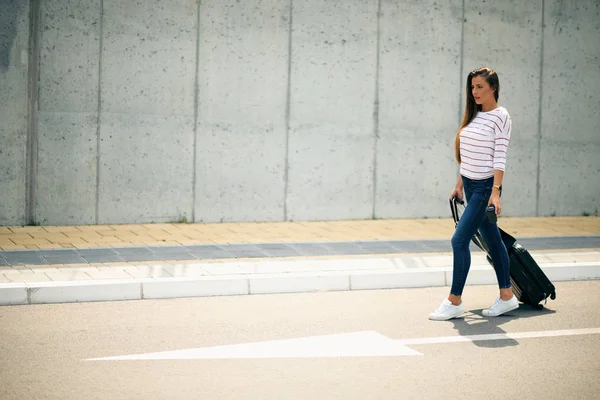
(354, 344)
(500, 336)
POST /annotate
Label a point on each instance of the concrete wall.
(243, 57)
(67, 126)
(269, 110)
(569, 155)
(14, 86)
(332, 90)
(419, 87)
(146, 110)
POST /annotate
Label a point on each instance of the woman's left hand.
(495, 201)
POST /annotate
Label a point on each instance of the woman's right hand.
(457, 192)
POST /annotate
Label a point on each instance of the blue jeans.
(477, 193)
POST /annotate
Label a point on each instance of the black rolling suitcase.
(529, 283)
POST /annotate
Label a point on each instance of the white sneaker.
(447, 311)
(500, 307)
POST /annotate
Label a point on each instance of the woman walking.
(480, 149)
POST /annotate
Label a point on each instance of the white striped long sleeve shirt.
(484, 143)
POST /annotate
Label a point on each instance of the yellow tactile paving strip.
(52, 237)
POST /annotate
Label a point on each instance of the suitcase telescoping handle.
(454, 202)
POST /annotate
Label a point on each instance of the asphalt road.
(45, 349)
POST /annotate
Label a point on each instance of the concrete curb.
(247, 284)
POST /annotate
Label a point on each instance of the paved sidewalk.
(84, 237)
(95, 263)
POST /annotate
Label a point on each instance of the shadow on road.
(474, 323)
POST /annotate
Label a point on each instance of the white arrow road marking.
(355, 344)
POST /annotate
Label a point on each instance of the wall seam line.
(376, 111)
(195, 129)
(287, 115)
(31, 155)
(462, 61)
(98, 117)
(539, 135)
(460, 78)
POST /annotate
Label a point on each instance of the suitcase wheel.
(539, 306)
(553, 296)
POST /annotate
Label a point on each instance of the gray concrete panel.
(147, 111)
(331, 137)
(571, 83)
(67, 120)
(570, 161)
(418, 177)
(242, 95)
(240, 173)
(145, 168)
(148, 57)
(419, 87)
(570, 178)
(507, 36)
(330, 174)
(14, 48)
(519, 186)
(66, 171)
(69, 55)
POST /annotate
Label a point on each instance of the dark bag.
(529, 283)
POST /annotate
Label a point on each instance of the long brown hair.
(473, 108)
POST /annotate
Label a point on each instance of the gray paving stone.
(311, 249)
(168, 249)
(375, 244)
(23, 259)
(273, 246)
(377, 247)
(381, 250)
(66, 258)
(125, 251)
(411, 247)
(99, 258)
(141, 257)
(250, 250)
(240, 247)
(96, 252)
(216, 254)
(203, 248)
(57, 252)
(345, 248)
(178, 256)
(15, 253)
(248, 253)
(572, 242)
(288, 252)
